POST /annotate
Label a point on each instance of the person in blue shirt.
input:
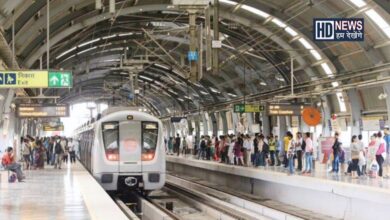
(387, 162)
(279, 145)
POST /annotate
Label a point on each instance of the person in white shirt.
(308, 153)
(247, 149)
(298, 148)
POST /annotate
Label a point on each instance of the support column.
(224, 122)
(325, 117)
(282, 126)
(214, 123)
(266, 122)
(303, 127)
(386, 89)
(356, 110)
(205, 124)
(249, 119)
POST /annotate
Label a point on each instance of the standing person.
(230, 149)
(247, 149)
(298, 148)
(336, 153)
(272, 149)
(256, 152)
(208, 147)
(216, 148)
(170, 146)
(237, 152)
(308, 153)
(64, 145)
(59, 151)
(286, 141)
(371, 157)
(8, 161)
(290, 154)
(177, 144)
(202, 148)
(355, 151)
(26, 151)
(362, 156)
(41, 155)
(72, 151)
(387, 161)
(52, 150)
(278, 148)
(184, 146)
(380, 153)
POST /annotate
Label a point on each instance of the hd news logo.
(338, 29)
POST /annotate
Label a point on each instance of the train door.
(130, 146)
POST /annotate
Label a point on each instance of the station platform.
(70, 193)
(336, 195)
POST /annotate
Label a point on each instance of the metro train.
(124, 150)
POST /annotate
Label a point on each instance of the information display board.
(241, 108)
(285, 109)
(35, 79)
(42, 110)
(53, 127)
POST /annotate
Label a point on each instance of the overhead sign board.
(338, 29)
(23, 79)
(285, 109)
(241, 108)
(35, 79)
(59, 79)
(192, 56)
(42, 110)
(177, 119)
(53, 127)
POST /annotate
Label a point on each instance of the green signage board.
(35, 79)
(241, 108)
(58, 79)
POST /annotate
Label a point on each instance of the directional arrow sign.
(58, 79)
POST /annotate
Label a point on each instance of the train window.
(111, 136)
(149, 139)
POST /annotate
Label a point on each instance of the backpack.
(303, 146)
(203, 144)
(58, 148)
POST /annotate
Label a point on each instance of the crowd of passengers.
(38, 151)
(294, 153)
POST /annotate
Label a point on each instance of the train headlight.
(147, 156)
(112, 157)
(131, 181)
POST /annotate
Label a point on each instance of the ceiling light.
(145, 78)
(89, 42)
(382, 24)
(263, 83)
(232, 95)
(358, 3)
(108, 37)
(86, 50)
(162, 66)
(182, 100)
(255, 11)
(214, 90)
(327, 69)
(305, 43)
(291, 32)
(126, 34)
(66, 52)
(279, 79)
(228, 2)
(315, 54)
(278, 22)
(335, 84)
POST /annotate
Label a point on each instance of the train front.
(133, 155)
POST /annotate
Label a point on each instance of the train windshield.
(149, 139)
(110, 139)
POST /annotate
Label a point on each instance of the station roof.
(259, 37)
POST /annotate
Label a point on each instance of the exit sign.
(241, 108)
(59, 79)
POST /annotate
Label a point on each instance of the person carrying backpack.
(59, 151)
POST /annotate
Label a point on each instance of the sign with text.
(35, 79)
(177, 119)
(23, 79)
(248, 108)
(42, 110)
(53, 127)
(338, 29)
(285, 109)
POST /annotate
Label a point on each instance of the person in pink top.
(308, 154)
